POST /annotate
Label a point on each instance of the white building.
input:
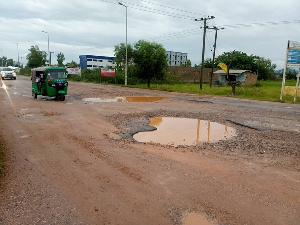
(176, 58)
(93, 61)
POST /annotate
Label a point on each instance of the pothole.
(51, 114)
(196, 219)
(184, 131)
(126, 99)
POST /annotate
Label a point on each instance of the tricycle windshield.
(56, 74)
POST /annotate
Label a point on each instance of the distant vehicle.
(7, 72)
(16, 69)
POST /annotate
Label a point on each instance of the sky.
(94, 27)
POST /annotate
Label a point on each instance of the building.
(244, 77)
(176, 58)
(93, 61)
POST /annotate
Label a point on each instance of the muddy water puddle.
(184, 131)
(51, 114)
(196, 219)
(126, 99)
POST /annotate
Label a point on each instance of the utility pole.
(214, 52)
(126, 60)
(203, 46)
(18, 52)
(48, 45)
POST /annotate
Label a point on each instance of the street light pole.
(18, 52)
(203, 47)
(126, 45)
(48, 47)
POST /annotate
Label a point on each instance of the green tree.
(60, 59)
(208, 63)
(120, 53)
(72, 64)
(188, 63)
(240, 60)
(263, 67)
(36, 57)
(150, 60)
(10, 62)
(291, 74)
(3, 61)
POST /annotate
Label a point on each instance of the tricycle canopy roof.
(42, 70)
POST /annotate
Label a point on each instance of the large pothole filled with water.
(176, 131)
(196, 219)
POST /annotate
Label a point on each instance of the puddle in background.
(51, 114)
(183, 131)
(126, 99)
(195, 219)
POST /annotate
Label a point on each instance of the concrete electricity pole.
(214, 52)
(48, 45)
(18, 52)
(126, 62)
(50, 58)
(203, 47)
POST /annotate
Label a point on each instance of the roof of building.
(97, 57)
(232, 71)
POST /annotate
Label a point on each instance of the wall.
(251, 78)
(191, 74)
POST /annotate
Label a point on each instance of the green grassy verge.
(264, 90)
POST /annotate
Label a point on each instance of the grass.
(264, 90)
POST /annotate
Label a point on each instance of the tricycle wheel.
(60, 97)
(34, 94)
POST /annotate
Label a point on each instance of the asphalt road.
(75, 162)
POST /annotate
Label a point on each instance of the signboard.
(74, 70)
(108, 72)
(293, 57)
(292, 60)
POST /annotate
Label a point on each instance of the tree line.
(4, 61)
(147, 61)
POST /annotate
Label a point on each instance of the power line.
(227, 26)
(156, 11)
(168, 7)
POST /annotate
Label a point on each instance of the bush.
(25, 71)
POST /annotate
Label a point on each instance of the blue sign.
(293, 57)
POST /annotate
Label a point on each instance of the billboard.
(74, 70)
(293, 57)
(292, 60)
(108, 72)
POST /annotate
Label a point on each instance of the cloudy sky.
(259, 27)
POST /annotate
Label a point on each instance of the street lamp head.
(120, 3)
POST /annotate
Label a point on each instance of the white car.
(7, 72)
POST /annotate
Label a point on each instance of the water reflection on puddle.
(182, 131)
(195, 219)
(126, 99)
